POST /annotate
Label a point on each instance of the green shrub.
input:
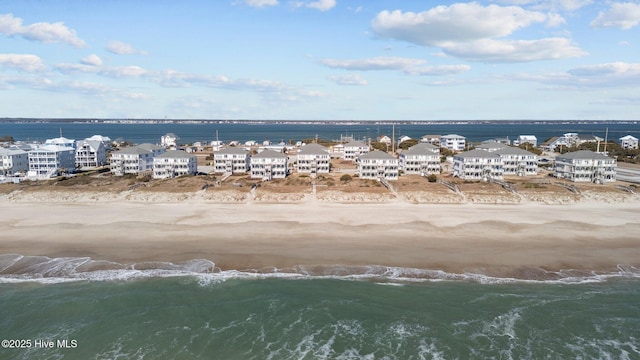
(345, 178)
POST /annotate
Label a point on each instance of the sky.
(321, 59)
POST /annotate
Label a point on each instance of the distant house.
(313, 159)
(376, 164)
(431, 139)
(384, 139)
(61, 141)
(90, 154)
(49, 161)
(231, 160)
(491, 146)
(516, 161)
(353, 150)
(629, 142)
(174, 163)
(477, 165)
(403, 138)
(269, 165)
(453, 142)
(531, 139)
(337, 150)
(105, 140)
(553, 143)
(13, 161)
(422, 158)
(134, 159)
(585, 166)
(169, 140)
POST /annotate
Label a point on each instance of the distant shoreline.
(308, 122)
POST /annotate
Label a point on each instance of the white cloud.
(471, 31)
(22, 62)
(322, 5)
(261, 3)
(376, 63)
(455, 23)
(124, 72)
(348, 80)
(500, 51)
(616, 74)
(92, 60)
(120, 48)
(555, 5)
(439, 70)
(623, 15)
(42, 31)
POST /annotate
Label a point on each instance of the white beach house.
(531, 139)
(49, 161)
(134, 159)
(431, 139)
(13, 161)
(491, 146)
(90, 154)
(353, 150)
(516, 161)
(61, 141)
(313, 159)
(422, 158)
(453, 142)
(477, 165)
(174, 163)
(232, 160)
(585, 166)
(169, 140)
(269, 165)
(376, 164)
(629, 142)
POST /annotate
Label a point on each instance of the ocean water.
(189, 133)
(94, 310)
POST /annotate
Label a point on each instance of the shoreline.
(505, 240)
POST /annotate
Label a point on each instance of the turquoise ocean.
(87, 309)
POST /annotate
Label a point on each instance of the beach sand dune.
(506, 240)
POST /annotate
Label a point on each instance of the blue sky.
(320, 59)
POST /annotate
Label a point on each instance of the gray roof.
(512, 150)
(491, 145)
(377, 155)
(94, 144)
(175, 154)
(269, 154)
(356, 144)
(551, 141)
(133, 150)
(422, 149)
(232, 150)
(150, 147)
(583, 155)
(313, 149)
(477, 153)
(4, 152)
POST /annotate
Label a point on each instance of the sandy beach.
(504, 240)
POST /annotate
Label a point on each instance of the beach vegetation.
(377, 145)
(530, 148)
(432, 178)
(345, 178)
(7, 139)
(407, 144)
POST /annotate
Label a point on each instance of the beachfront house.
(134, 159)
(13, 161)
(585, 166)
(174, 163)
(269, 165)
(453, 142)
(313, 159)
(431, 139)
(491, 146)
(422, 158)
(353, 150)
(169, 140)
(61, 141)
(516, 161)
(105, 140)
(477, 165)
(232, 160)
(629, 142)
(48, 161)
(384, 139)
(90, 154)
(377, 165)
(530, 139)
